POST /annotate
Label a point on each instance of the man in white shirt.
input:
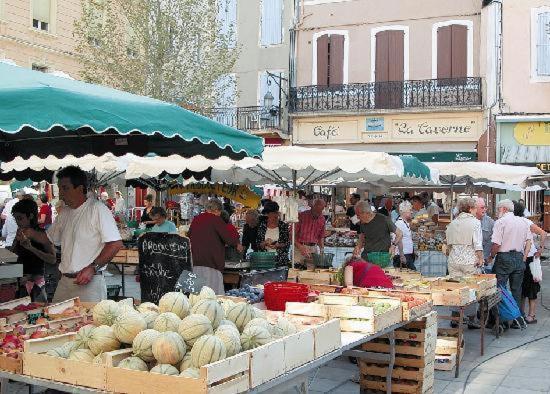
(89, 239)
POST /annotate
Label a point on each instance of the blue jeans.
(509, 267)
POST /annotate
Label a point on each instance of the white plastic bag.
(536, 269)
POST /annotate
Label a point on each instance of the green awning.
(16, 185)
(443, 156)
(412, 167)
(43, 115)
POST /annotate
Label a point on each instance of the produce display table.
(122, 258)
(431, 263)
(239, 278)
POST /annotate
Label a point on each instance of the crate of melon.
(415, 304)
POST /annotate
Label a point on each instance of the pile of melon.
(177, 337)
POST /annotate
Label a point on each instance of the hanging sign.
(238, 193)
(532, 133)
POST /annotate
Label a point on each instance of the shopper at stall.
(530, 287)
(44, 212)
(360, 273)
(386, 206)
(250, 231)
(232, 252)
(273, 233)
(375, 237)
(9, 230)
(354, 198)
(88, 235)
(209, 235)
(310, 232)
(418, 206)
(120, 204)
(149, 202)
(109, 203)
(526, 212)
(432, 209)
(403, 224)
(512, 240)
(464, 240)
(487, 224)
(162, 225)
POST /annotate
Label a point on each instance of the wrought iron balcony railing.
(387, 95)
(246, 118)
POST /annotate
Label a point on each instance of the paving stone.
(323, 385)
(347, 388)
(535, 384)
(336, 374)
(459, 388)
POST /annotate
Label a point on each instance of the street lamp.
(268, 100)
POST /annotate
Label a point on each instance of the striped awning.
(521, 154)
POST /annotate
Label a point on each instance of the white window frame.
(52, 25)
(282, 27)
(534, 33)
(344, 33)
(259, 81)
(374, 31)
(470, 44)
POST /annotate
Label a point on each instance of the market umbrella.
(44, 115)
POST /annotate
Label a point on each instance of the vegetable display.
(252, 294)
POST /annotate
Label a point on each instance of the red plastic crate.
(277, 294)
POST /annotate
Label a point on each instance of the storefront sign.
(238, 193)
(532, 133)
(374, 124)
(544, 167)
(327, 132)
(440, 129)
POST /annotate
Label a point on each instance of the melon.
(240, 314)
(254, 336)
(150, 318)
(226, 304)
(98, 359)
(142, 344)
(193, 327)
(225, 322)
(169, 348)
(207, 293)
(103, 339)
(167, 321)
(128, 325)
(211, 309)
(186, 362)
(258, 321)
(193, 299)
(191, 373)
(258, 313)
(208, 349)
(147, 307)
(62, 351)
(135, 363)
(174, 302)
(165, 369)
(83, 335)
(230, 338)
(105, 312)
(125, 308)
(83, 355)
(283, 327)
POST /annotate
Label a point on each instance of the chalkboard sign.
(162, 259)
(189, 282)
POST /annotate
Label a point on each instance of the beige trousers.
(94, 291)
(213, 278)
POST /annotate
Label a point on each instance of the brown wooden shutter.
(396, 53)
(322, 60)
(444, 51)
(459, 53)
(336, 56)
(381, 67)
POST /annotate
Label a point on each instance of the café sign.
(327, 131)
(436, 129)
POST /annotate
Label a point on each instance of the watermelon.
(240, 314)
(254, 336)
(174, 302)
(206, 350)
(169, 348)
(211, 309)
(193, 327)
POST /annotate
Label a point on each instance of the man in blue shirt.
(158, 215)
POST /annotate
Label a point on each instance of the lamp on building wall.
(268, 100)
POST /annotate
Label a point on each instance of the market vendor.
(250, 231)
(375, 240)
(354, 198)
(359, 273)
(88, 235)
(273, 234)
(146, 219)
(162, 225)
(310, 232)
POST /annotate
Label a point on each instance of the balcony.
(252, 119)
(429, 93)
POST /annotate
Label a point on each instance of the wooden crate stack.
(446, 349)
(413, 370)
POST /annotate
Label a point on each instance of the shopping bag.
(536, 269)
(507, 308)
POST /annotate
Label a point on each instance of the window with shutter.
(389, 68)
(452, 52)
(41, 11)
(227, 16)
(270, 83)
(543, 44)
(271, 22)
(330, 59)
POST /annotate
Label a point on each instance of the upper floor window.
(41, 14)
(330, 59)
(540, 44)
(452, 49)
(271, 29)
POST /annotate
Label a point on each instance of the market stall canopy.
(42, 114)
(483, 172)
(286, 164)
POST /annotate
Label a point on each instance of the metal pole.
(294, 176)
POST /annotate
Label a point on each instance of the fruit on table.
(379, 307)
(174, 302)
(143, 344)
(251, 293)
(165, 369)
(167, 321)
(105, 312)
(186, 362)
(128, 325)
(193, 327)
(169, 348)
(255, 336)
(191, 373)
(208, 349)
(84, 355)
(103, 339)
(231, 339)
(135, 363)
(240, 314)
(211, 309)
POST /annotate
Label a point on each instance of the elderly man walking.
(511, 240)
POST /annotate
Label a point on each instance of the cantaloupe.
(105, 312)
(254, 336)
(226, 304)
(103, 339)
(150, 318)
(193, 327)
(83, 355)
(128, 325)
(98, 359)
(83, 335)
(167, 321)
(240, 314)
(207, 293)
(211, 309)
(225, 322)
(193, 299)
(143, 344)
(147, 307)
(283, 327)
(231, 339)
(174, 302)
(258, 321)
(191, 373)
(165, 369)
(135, 363)
(258, 313)
(186, 362)
(206, 350)
(62, 351)
(169, 348)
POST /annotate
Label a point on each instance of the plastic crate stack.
(413, 370)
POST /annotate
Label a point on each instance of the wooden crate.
(12, 364)
(323, 277)
(226, 376)
(327, 337)
(446, 363)
(338, 299)
(121, 256)
(375, 383)
(292, 275)
(357, 318)
(422, 374)
(18, 316)
(325, 288)
(451, 294)
(132, 256)
(311, 309)
(408, 313)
